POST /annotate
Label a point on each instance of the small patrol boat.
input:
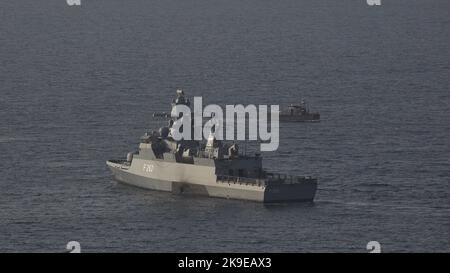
(299, 113)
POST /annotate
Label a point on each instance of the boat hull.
(302, 192)
(300, 118)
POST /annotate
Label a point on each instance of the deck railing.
(240, 180)
(270, 178)
(287, 179)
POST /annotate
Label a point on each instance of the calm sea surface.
(78, 86)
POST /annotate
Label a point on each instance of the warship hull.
(203, 182)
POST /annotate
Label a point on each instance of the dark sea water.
(78, 86)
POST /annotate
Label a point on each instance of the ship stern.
(294, 192)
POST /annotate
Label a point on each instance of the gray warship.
(299, 113)
(214, 169)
